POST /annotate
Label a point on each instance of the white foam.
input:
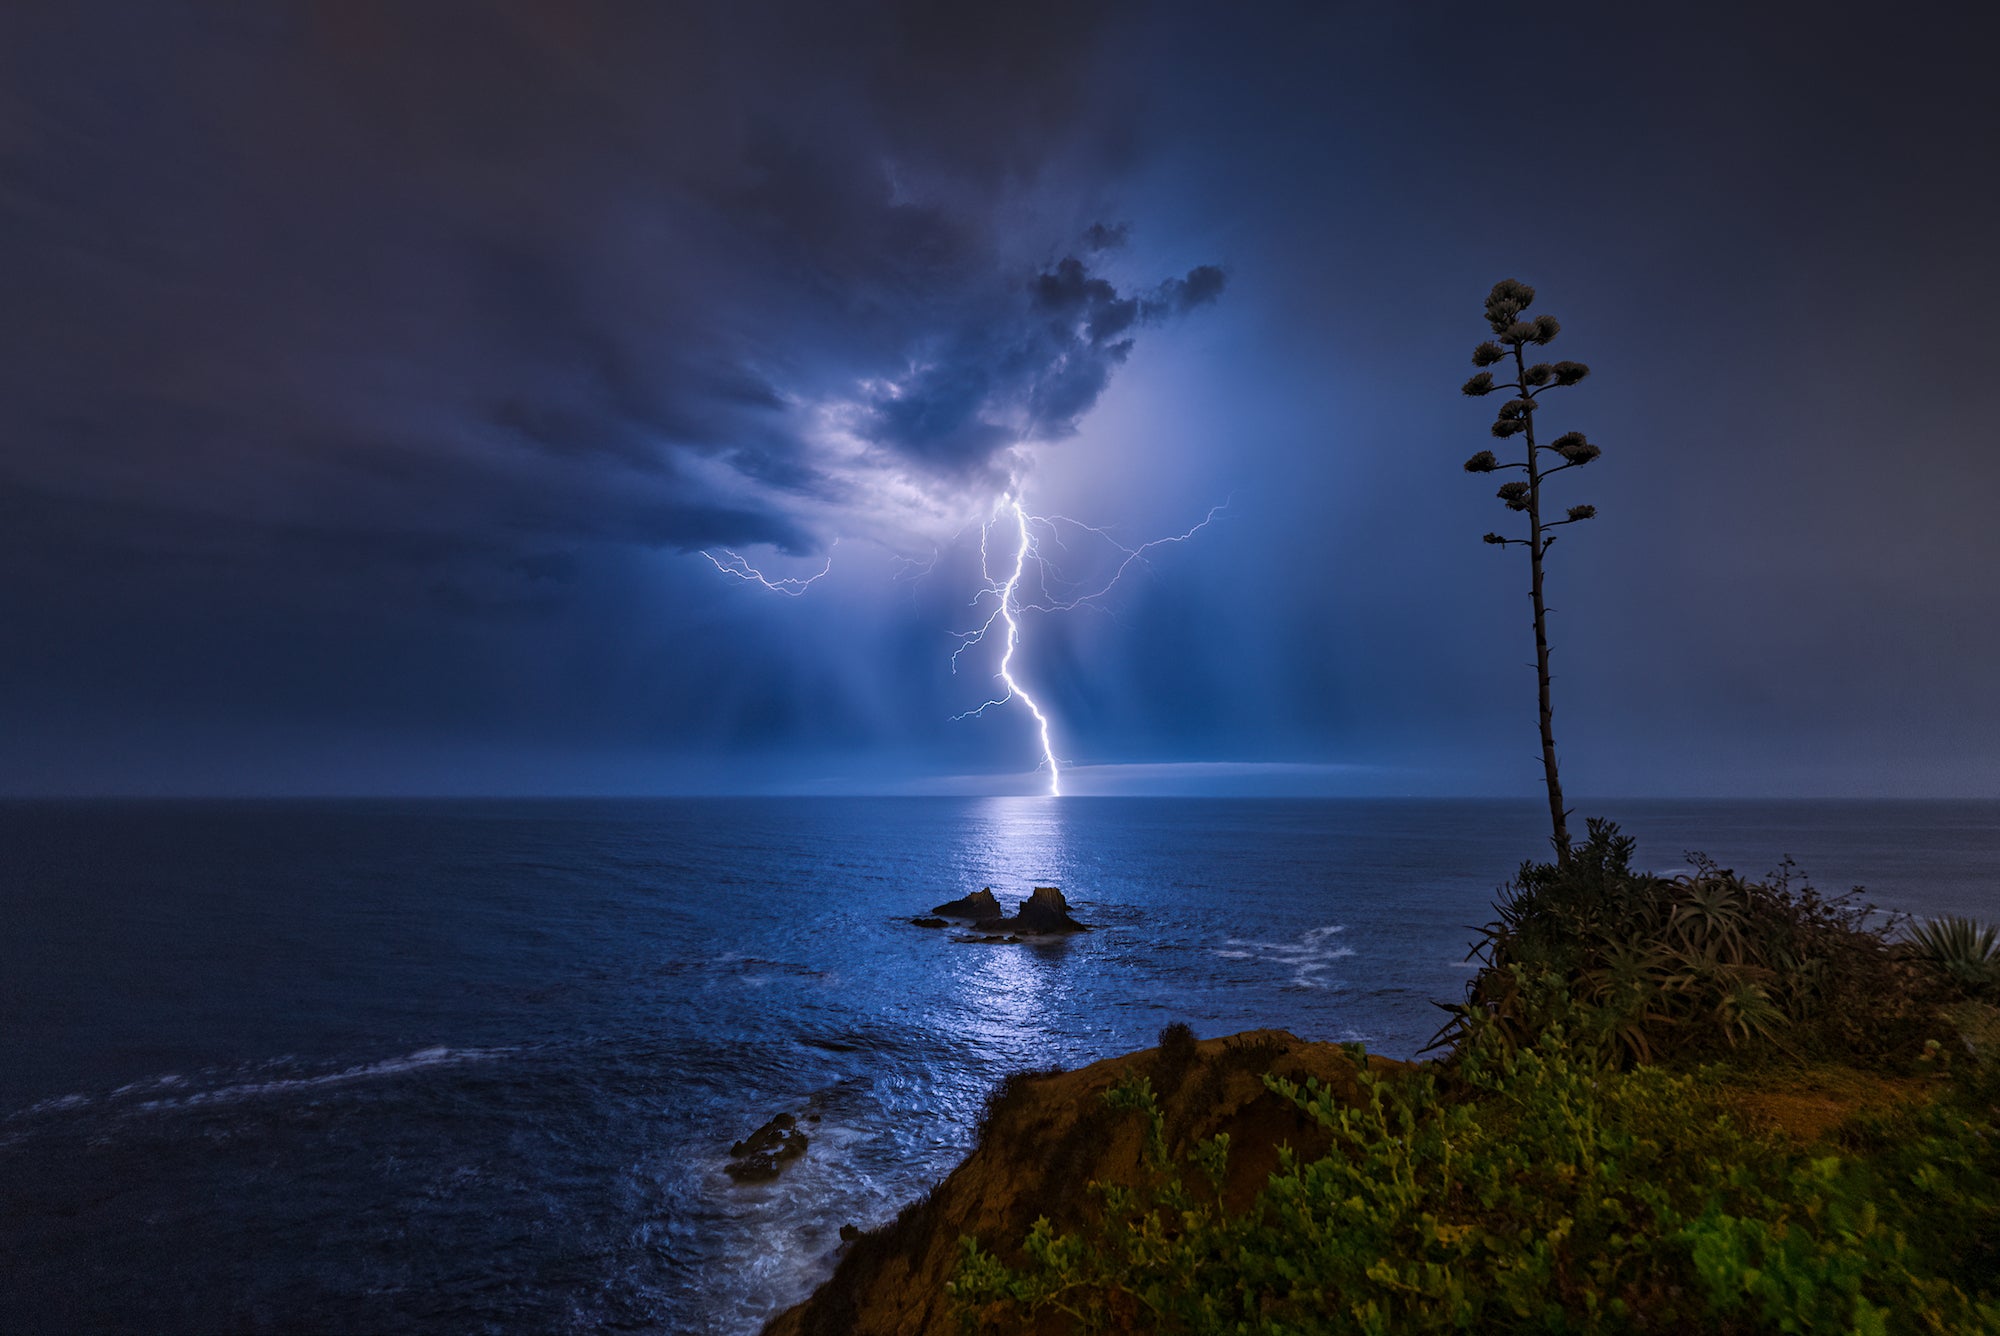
(1307, 958)
(422, 1058)
(60, 1104)
(781, 1236)
(152, 1088)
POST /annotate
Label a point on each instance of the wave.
(164, 1092)
(1308, 958)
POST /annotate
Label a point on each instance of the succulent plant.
(1967, 952)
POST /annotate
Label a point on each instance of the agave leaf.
(1966, 951)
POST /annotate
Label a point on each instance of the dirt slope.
(1046, 1137)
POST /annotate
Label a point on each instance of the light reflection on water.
(1002, 992)
(1019, 843)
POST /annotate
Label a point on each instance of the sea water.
(476, 1066)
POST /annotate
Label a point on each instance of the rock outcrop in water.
(763, 1154)
(1044, 912)
(979, 905)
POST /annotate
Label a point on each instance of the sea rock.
(763, 1154)
(979, 905)
(1045, 912)
(928, 922)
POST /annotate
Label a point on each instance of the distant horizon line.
(780, 796)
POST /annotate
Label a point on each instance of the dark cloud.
(1106, 236)
(368, 368)
(511, 274)
(1202, 285)
(1026, 370)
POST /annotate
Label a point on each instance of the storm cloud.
(371, 375)
(473, 285)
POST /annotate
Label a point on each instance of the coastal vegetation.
(1668, 1103)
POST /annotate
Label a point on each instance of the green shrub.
(1650, 969)
(1529, 1190)
(1570, 1166)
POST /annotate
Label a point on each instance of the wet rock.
(979, 905)
(763, 1154)
(849, 1233)
(928, 922)
(1045, 912)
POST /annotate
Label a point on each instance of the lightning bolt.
(1006, 611)
(789, 586)
(1132, 554)
(1008, 605)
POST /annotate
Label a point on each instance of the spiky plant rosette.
(1652, 968)
(1966, 952)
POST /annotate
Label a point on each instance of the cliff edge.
(1046, 1136)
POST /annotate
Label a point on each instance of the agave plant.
(1744, 1011)
(1711, 910)
(1966, 951)
(1625, 970)
(1653, 968)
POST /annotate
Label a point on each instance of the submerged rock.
(928, 922)
(763, 1154)
(979, 905)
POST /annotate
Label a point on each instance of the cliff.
(1047, 1135)
(1618, 1167)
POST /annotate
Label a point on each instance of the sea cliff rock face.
(979, 905)
(1046, 1137)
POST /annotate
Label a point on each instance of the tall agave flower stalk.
(1506, 307)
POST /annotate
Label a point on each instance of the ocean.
(476, 1066)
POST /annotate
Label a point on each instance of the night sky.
(376, 376)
